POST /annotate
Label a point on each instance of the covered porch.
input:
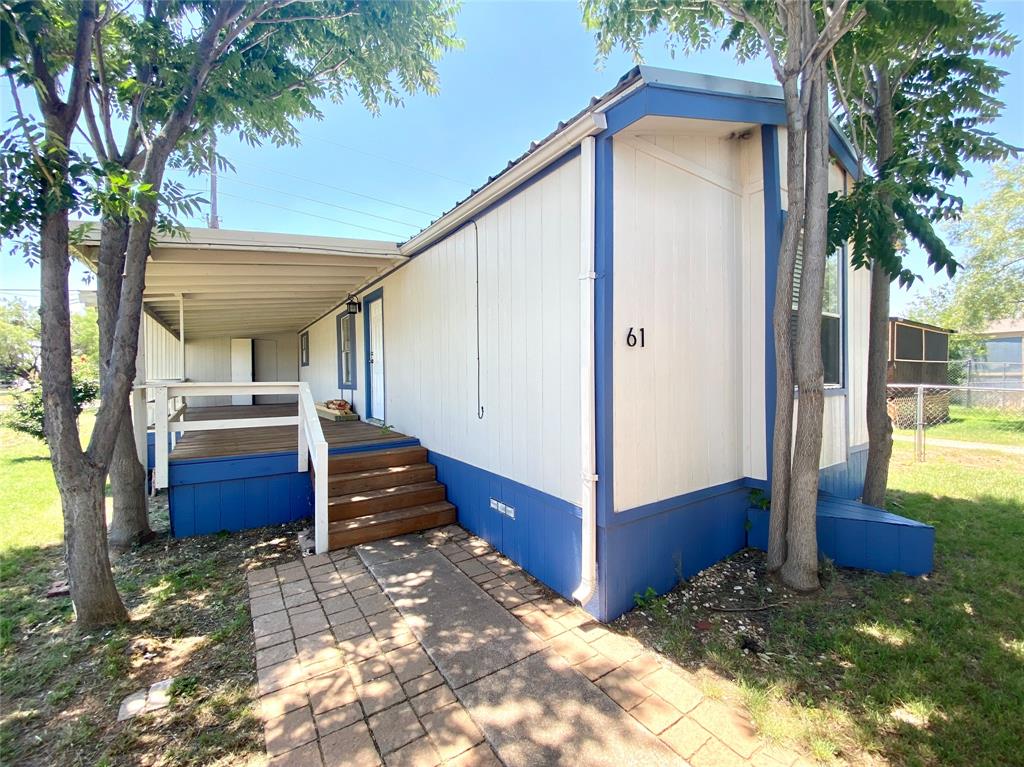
(341, 436)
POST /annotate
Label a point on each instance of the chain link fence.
(985, 375)
(968, 416)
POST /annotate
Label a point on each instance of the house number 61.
(632, 339)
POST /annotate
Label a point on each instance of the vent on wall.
(503, 508)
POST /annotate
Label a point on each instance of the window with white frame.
(346, 350)
(304, 349)
(831, 314)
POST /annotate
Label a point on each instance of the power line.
(391, 160)
(314, 215)
(336, 188)
(322, 202)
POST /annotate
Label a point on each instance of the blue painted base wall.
(208, 495)
(545, 536)
(846, 480)
(659, 548)
(854, 535)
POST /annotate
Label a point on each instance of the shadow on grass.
(917, 670)
(190, 620)
(29, 459)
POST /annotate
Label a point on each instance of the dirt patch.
(190, 620)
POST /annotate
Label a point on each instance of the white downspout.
(588, 555)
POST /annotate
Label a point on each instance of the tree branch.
(36, 155)
(95, 139)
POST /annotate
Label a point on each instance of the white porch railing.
(310, 437)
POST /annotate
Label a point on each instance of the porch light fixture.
(352, 305)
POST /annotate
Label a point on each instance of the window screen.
(909, 345)
(936, 346)
(831, 314)
(346, 351)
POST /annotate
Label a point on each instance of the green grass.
(61, 687)
(910, 671)
(978, 425)
(30, 506)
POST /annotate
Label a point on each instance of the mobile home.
(581, 351)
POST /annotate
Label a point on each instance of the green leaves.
(924, 70)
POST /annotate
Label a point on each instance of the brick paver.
(343, 679)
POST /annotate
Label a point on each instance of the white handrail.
(311, 440)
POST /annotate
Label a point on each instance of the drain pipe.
(588, 446)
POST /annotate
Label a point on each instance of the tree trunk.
(782, 439)
(93, 591)
(130, 522)
(876, 478)
(800, 570)
(81, 483)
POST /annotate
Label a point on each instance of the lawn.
(978, 425)
(909, 671)
(61, 688)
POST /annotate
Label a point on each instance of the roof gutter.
(589, 124)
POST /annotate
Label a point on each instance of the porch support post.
(161, 446)
(181, 334)
(138, 400)
(320, 499)
(303, 446)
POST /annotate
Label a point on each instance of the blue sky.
(524, 67)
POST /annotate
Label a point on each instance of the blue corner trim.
(772, 243)
(841, 150)
(369, 298)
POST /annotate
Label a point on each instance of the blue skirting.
(230, 493)
(657, 546)
(853, 534)
(542, 534)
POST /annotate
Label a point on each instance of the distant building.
(918, 353)
(1001, 362)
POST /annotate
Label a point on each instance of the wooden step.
(353, 505)
(377, 479)
(376, 459)
(386, 524)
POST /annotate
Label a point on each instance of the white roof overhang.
(245, 283)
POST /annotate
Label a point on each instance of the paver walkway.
(433, 649)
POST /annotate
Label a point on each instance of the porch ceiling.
(243, 283)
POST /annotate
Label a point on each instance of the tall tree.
(916, 87)
(796, 36)
(196, 55)
(990, 285)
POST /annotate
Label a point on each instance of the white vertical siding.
(207, 359)
(528, 335)
(287, 366)
(752, 309)
(858, 300)
(322, 371)
(679, 405)
(163, 356)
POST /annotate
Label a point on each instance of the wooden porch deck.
(270, 439)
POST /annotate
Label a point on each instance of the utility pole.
(214, 221)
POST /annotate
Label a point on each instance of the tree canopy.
(932, 61)
(990, 285)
